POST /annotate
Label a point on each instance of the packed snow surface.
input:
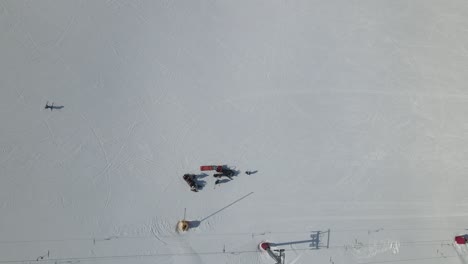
(353, 113)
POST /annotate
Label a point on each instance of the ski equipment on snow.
(211, 167)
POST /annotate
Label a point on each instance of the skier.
(47, 106)
(52, 106)
(225, 171)
(219, 175)
(190, 180)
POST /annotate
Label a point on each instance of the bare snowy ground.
(353, 113)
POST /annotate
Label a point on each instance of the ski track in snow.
(65, 31)
(373, 248)
(296, 259)
(109, 165)
(462, 252)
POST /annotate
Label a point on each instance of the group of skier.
(223, 172)
(220, 172)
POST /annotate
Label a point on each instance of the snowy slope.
(353, 113)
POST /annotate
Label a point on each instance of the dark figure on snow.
(190, 179)
(225, 172)
(219, 175)
(52, 106)
(47, 106)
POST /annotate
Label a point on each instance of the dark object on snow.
(221, 171)
(219, 182)
(225, 171)
(251, 172)
(219, 175)
(52, 107)
(190, 179)
(461, 239)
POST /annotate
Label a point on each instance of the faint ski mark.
(128, 162)
(116, 3)
(146, 116)
(35, 46)
(157, 237)
(166, 187)
(100, 142)
(184, 244)
(260, 234)
(110, 164)
(373, 249)
(101, 145)
(374, 231)
(50, 133)
(116, 52)
(299, 110)
(462, 252)
(163, 89)
(108, 196)
(21, 96)
(62, 201)
(183, 134)
(105, 239)
(296, 259)
(65, 31)
(138, 12)
(8, 151)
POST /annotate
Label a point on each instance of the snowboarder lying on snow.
(219, 175)
(190, 179)
(224, 172)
